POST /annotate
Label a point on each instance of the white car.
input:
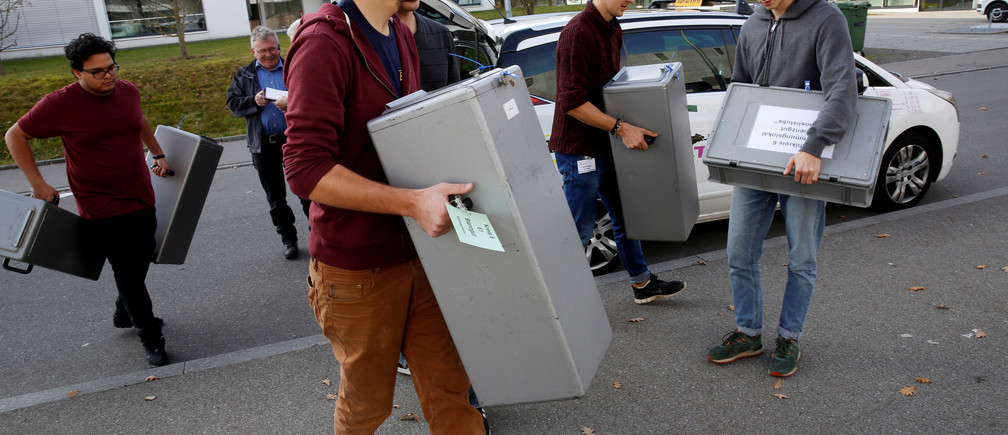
(923, 129)
(995, 10)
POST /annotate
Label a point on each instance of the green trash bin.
(856, 13)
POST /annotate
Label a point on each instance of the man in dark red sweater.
(367, 287)
(103, 129)
(588, 56)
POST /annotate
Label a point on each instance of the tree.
(10, 19)
(170, 18)
(527, 6)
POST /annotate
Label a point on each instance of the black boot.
(156, 355)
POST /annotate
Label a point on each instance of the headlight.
(947, 96)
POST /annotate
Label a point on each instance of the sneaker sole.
(784, 375)
(741, 355)
(656, 297)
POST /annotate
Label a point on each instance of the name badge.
(587, 165)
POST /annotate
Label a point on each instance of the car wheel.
(601, 250)
(998, 13)
(905, 174)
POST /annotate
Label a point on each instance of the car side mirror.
(862, 81)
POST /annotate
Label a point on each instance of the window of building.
(131, 18)
(275, 14)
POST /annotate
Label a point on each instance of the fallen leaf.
(150, 398)
(908, 391)
(982, 109)
(981, 173)
(916, 288)
(332, 396)
(152, 378)
(701, 262)
(981, 334)
(924, 380)
(587, 431)
(731, 308)
(395, 406)
(984, 156)
(719, 313)
(73, 393)
(327, 382)
(780, 396)
(942, 307)
(410, 416)
(779, 384)
(982, 266)
(617, 384)
(636, 320)
(882, 236)
(843, 217)
(1005, 268)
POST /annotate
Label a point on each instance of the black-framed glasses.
(100, 74)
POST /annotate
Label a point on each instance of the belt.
(274, 138)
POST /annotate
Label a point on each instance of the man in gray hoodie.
(801, 44)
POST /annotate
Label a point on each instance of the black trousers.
(127, 240)
(269, 165)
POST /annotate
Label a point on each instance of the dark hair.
(86, 45)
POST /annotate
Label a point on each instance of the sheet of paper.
(783, 130)
(474, 229)
(274, 94)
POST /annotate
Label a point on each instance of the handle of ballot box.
(7, 266)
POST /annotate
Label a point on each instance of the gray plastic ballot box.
(759, 128)
(657, 187)
(42, 234)
(179, 198)
(528, 322)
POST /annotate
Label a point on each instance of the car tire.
(601, 250)
(908, 168)
(997, 13)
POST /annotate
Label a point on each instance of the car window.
(704, 53)
(538, 64)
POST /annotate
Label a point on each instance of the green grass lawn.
(170, 87)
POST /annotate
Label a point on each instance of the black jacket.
(241, 102)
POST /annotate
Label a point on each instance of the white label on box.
(783, 130)
(510, 109)
(474, 229)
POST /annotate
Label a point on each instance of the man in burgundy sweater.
(366, 285)
(588, 56)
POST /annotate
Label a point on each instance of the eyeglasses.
(266, 51)
(101, 73)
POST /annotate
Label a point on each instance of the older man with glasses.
(103, 130)
(265, 126)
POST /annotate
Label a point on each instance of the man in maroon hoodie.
(367, 287)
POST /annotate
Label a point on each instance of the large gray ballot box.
(758, 129)
(657, 187)
(42, 234)
(528, 322)
(179, 199)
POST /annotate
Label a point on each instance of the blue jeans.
(582, 190)
(752, 211)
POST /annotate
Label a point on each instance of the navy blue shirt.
(384, 46)
(272, 118)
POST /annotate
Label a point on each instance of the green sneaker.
(785, 358)
(735, 345)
